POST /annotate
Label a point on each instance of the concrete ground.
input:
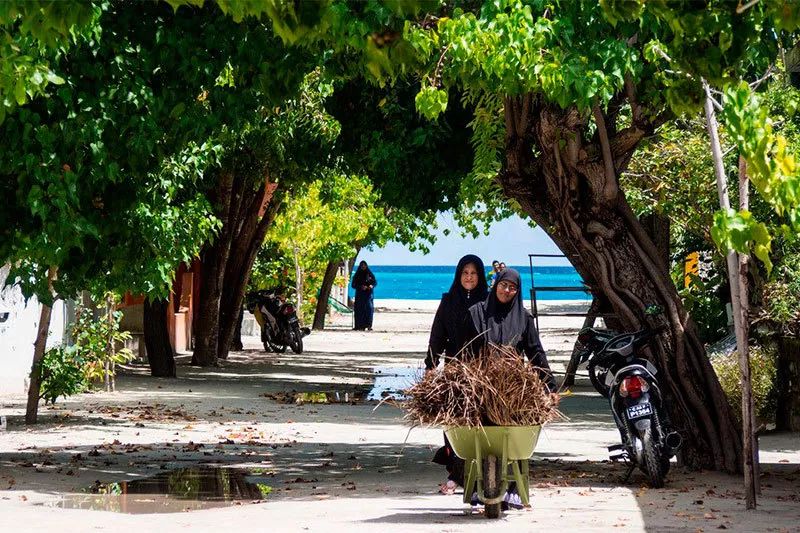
(341, 466)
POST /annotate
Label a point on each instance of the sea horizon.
(428, 282)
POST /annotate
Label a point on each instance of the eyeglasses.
(507, 286)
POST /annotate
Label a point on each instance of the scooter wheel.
(297, 342)
(653, 466)
(277, 348)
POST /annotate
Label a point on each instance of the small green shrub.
(762, 377)
(68, 370)
(62, 373)
(95, 342)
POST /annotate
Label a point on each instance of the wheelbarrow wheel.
(491, 485)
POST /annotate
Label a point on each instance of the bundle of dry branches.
(495, 388)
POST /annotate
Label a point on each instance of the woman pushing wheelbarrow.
(490, 402)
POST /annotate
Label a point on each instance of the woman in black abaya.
(363, 282)
(448, 337)
(503, 320)
(449, 325)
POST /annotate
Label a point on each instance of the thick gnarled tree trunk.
(246, 213)
(213, 259)
(569, 186)
(160, 355)
(247, 240)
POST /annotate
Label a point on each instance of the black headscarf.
(503, 324)
(460, 296)
(363, 277)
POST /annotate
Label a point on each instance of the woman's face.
(469, 277)
(362, 265)
(506, 291)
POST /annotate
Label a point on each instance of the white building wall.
(18, 332)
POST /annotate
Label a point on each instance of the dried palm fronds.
(496, 387)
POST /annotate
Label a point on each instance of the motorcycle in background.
(277, 317)
(630, 384)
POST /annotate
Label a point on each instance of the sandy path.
(343, 467)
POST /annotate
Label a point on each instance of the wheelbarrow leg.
(478, 462)
(504, 478)
(469, 483)
(521, 479)
(526, 476)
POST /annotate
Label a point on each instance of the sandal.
(448, 488)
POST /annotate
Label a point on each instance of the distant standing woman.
(363, 282)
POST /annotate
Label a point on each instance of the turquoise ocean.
(413, 282)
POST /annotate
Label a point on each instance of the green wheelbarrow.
(488, 452)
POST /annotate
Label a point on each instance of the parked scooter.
(631, 386)
(278, 320)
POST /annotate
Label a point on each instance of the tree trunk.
(738, 304)
(751, 465)
(35, 385)
(570, 187)
(207, 334)
(246, 213)
(247, 239)
(588, 322)
(324, 294)
(214, 258)
(160, 355)
(657, 227)
(236, 342)
(298, 280)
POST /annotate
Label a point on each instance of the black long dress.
(363, 308)
(449, 334)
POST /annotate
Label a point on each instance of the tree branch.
(610, 187)
(630, 90)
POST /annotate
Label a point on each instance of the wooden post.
(35, 385)
(733, 279)
(298, 273)
(107, 358)
(748, 404)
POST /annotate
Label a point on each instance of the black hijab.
(503, 324)
(363, 277)
(460, 296)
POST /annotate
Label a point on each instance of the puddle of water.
(390, 381)
(302, 398)
(174, 491)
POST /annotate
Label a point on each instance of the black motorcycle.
(630, 384)
(277, 317)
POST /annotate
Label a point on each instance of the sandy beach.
(339, 466)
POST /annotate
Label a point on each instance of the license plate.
(640, 410)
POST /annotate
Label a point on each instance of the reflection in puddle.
(390, 381)
(179, 490)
